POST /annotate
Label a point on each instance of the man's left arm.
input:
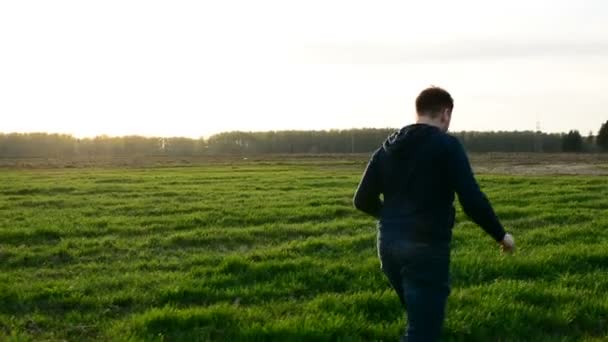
(367, 196)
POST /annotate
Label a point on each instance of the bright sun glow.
(194, 68)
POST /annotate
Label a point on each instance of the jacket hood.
(407, 138)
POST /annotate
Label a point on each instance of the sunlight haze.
(195, 68)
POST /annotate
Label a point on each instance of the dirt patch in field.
(493, 163)
(551, 169)
(541, 164)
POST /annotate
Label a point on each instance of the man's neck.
(428, 121)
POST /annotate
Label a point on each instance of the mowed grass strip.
(276, 252)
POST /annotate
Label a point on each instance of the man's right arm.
(367, 196)
(474, 202)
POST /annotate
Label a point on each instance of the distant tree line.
(17, 145)
(32, 145)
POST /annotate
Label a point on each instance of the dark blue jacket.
(417, 171)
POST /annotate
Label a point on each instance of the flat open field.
(273, 250)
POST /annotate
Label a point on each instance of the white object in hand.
(508, 243)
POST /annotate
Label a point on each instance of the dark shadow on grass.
(34, 237)
(47, 302)
(120, 180)
(39, 191)
(49, 204)
(57, 258)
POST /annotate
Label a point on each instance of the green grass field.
(275, 251)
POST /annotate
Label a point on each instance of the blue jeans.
(419, 274)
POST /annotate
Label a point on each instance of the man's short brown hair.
(433, 100)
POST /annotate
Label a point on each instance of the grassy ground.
(274, 251)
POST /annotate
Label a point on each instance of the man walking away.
(418, 170)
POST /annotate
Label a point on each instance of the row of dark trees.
(16, 145)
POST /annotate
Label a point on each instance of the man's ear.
(445, 115)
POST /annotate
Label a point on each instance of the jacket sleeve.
(367, 196)
(474, 202)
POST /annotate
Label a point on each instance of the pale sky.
(194, 68)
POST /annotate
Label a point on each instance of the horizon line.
(205, 137)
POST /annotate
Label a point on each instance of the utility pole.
(352, 141)
(538, 138)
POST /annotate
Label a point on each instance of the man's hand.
(507, 245)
